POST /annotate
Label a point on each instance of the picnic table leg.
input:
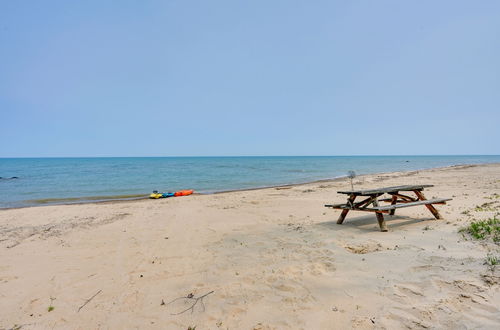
(380, 217)
(393, 201)
(381, 222)
(431, 208)
(342, 216)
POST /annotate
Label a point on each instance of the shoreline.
(137, 197)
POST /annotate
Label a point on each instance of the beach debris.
(351, 175)
(195, 300)
(292, 226)
(13, 245)
(16, 327)
(88, 300)
(348, 294)
(51, 308)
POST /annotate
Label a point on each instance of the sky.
(236, 78)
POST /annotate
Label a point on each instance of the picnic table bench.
(397, 200)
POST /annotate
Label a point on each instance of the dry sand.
(274, 258)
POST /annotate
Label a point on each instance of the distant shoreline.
(139, 197)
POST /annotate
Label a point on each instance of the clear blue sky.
(167, 78)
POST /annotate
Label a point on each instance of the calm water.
(63, 180)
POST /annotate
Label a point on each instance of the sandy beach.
(262, 259)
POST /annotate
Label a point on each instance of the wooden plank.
(381, 222)
(389, 200)
(364, 202)
(342, 216)
(393, 202)
(363, 205)
(354, 206)
(407, 198)
(386, 190)
(380, 217)
(345, 207)
(420, 202)
(429, 206)
(336, 206)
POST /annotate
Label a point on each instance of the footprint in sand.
(261, 326)
(5, 279)
(407, 290)
(427, 268)
(363, 248)
(436, 301)
(284, 287)
(320, 268)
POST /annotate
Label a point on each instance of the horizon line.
(249, 156)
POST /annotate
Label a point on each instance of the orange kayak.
(183, 193)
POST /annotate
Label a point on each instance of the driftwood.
(88, 300)
(191, 297)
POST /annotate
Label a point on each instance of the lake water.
(68, 180)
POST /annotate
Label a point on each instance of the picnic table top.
(375, 191)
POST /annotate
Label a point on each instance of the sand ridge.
(274, 258)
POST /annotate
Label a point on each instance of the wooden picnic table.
(397, 200)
